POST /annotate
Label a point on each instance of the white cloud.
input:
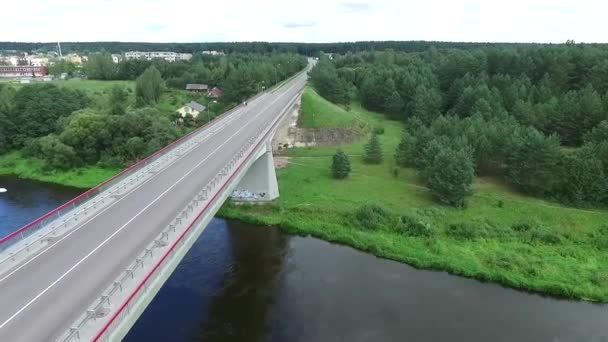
(310, 21)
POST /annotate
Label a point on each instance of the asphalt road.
(43, 296)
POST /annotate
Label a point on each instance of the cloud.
(292, 25)
(355, 6)
(313, 21)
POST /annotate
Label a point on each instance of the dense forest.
(71, 128)
(308, 49)
(240, 75)
(534, 116)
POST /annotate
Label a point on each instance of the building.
(37, 61)
(213, 53)
(166, 55)
(116, 58)
(197, 88)
(193, 108)
(21, 71)
(216, 93)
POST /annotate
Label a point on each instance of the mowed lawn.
(560, 250)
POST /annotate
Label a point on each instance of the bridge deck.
(42, 296)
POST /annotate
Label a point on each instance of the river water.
(246, 283)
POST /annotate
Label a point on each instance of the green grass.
(31, 168)
(93, 85)
(565, 252)
(317, 112)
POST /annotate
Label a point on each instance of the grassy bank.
(31, 168)
(502, 236)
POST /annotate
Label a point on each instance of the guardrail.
(204, 198)
(70, 213)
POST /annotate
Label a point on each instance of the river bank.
(305, 289)
(502, 236)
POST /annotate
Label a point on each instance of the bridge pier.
(259, 184)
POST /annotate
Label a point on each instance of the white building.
(166, 55)
(213, 53)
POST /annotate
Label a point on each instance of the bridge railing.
(76, 210)
(176, 231)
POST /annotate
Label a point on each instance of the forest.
(533, 116)
(70, 128)
(308, 49)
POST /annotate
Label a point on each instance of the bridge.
(88, 269)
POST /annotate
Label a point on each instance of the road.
(40, 298)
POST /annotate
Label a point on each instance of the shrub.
(396, 172)
(525, 225)
(340, 166)
(373, 150)
(464, 231)
(379, 130)
(544, 236)
(373, 216)
(413, 227)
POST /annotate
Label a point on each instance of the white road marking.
(134, 217)
(81, 225)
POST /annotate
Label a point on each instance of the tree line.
(535, 116)
(239, 75)
(71, 128)
(308, 49)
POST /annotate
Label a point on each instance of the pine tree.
(450, 175)
(373, 150)
(340, 168)
(404, 154)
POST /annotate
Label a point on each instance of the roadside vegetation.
(501, 235)
(61, 130)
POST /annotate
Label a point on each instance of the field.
(501, 236)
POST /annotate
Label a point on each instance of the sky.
(552, 21)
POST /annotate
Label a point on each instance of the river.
(246, 283)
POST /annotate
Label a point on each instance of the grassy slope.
(318, 112)
(14, 163)
(312, 202)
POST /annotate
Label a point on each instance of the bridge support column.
(259, 184)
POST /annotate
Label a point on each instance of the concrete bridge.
(88, 269)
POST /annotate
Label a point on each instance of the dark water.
(247, 283)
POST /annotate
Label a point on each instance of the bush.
(373, 150)
(464, 231)
(379, 130)
(396, 172)
(525, 225)
(374, 217)
(544, 236)
(413, 227)
(340, 167)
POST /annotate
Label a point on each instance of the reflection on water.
(247, 283)
(272, 287)
(24, 201)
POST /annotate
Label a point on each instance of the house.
(216, 93)
(197, 88)
(193, 108)
(116, 58)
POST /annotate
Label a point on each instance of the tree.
(404, 154)
(532, 161)
(148, 87)
(450, 175)
(583, 180)
(57, 154)
(100, 67)
(373, 150)
(328, 82)
(135, 148)
(118, 100)
(340, 167)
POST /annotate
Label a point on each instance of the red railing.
(25, 230)
(180, 237)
